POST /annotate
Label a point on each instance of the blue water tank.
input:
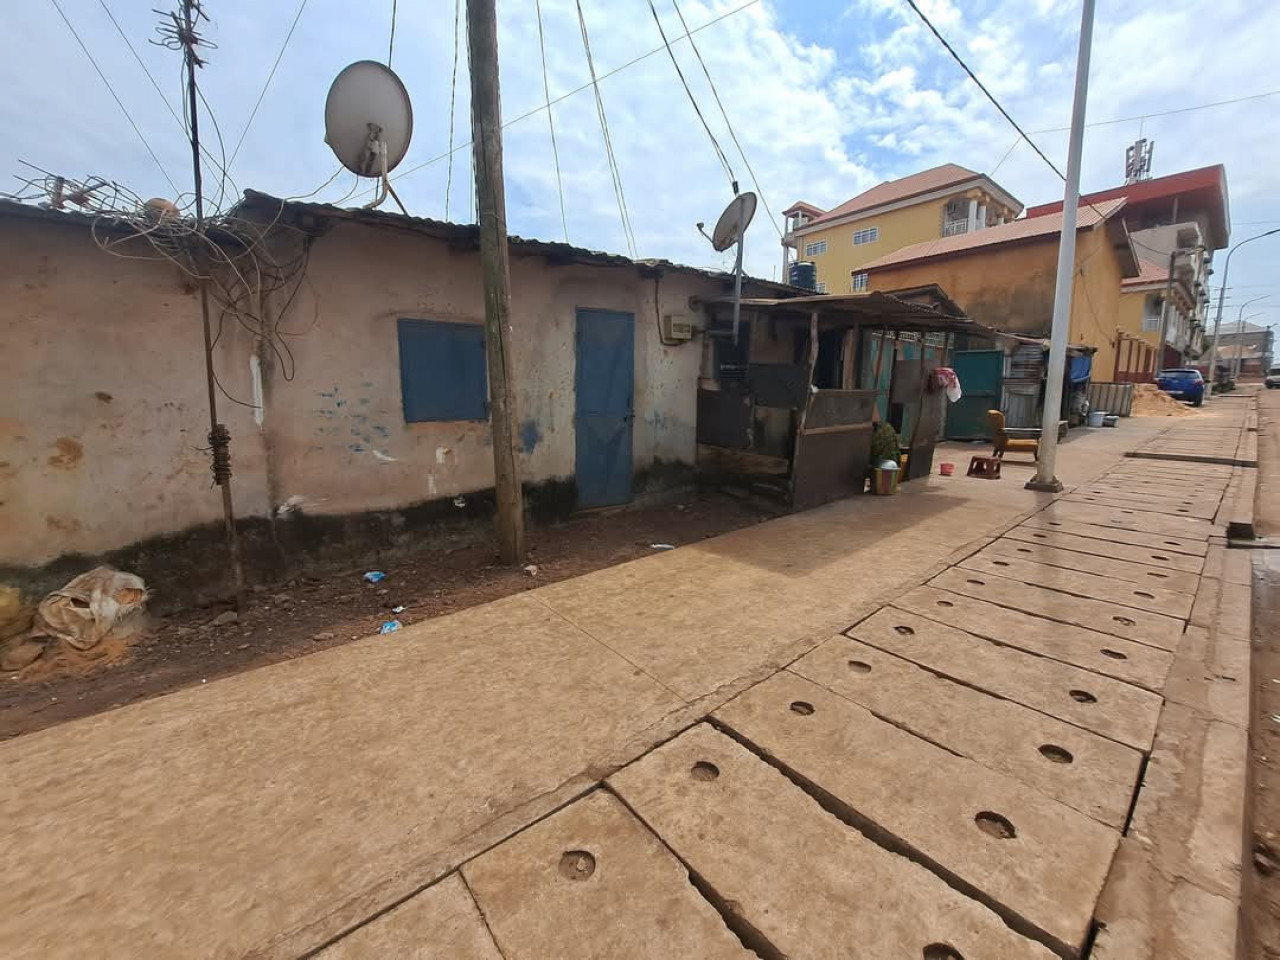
(804, 273)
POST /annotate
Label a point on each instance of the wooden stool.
(985, 468)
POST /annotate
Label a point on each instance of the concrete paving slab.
(1106, 617)
(1231, 565)
(807, 884)
(1138, 663)
(1206, 504)
(1210, 674)
(301, 798)
(1223, 607)
(1144, 915)
(1112, 708)
(1154, 556)
(1085, 771)
(1190, 812)
(1195, 546)
(1142, 596)
(1037, 860)
(1127, 519)
(441, 923)
(592, 881)
(1117, 569)
(1177, 508)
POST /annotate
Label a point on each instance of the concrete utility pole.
(491, 204)
(1046, 476)
(1222, 292)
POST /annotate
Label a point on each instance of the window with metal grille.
(443, 372)
(815, 248)
(866, 235)
(859, 282)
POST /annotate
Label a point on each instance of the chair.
(1012, 440)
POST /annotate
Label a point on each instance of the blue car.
(1184, 383)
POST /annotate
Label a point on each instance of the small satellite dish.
(729, 231)
(734, 221)
(368, 119)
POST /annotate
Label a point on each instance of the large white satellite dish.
(729, 231)
(734, 221)
(368, 121)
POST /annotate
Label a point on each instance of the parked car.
(1182, 383)
(1272, 379)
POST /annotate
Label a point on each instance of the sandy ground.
(312, 613)
(1263, 902)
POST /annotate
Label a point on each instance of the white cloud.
(827, 98)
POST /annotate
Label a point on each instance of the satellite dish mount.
(368, 121)
(729, 232)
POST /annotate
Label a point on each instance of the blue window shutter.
(443, 372)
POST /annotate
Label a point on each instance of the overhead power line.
(981, 86)
(1168, 113)
(391, 45)
(270, 76)
(119, 103)
(551, 123)
(576, 90)
(724, 161)
(608, 140)
(453, 100)
(725, 116)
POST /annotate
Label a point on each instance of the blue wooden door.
(981, 373)
(603, 410)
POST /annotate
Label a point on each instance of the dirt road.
(1263, 891)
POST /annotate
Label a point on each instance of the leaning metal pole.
(1046, 477)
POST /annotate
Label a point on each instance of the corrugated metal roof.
(892, 191)
(1015, 231)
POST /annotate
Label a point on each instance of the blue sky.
(828, 97)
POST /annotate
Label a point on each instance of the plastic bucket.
(947, 469)
(884, 483)
(1096, 417)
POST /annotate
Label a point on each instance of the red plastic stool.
(984, 468)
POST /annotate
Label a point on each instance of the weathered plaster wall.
(103, 411)
(337, 433)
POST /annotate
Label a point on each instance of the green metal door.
(980, 373)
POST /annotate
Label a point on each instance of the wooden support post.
(486, 123)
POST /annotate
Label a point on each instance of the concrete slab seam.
(878, 835)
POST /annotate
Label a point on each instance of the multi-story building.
(1175, 224)
(946, 201)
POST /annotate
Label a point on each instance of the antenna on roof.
(729, 230)
(368, 123)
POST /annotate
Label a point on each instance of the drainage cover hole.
(1124, 621)
(1000, 563)
(1114, 654)
(802, 708)
(1040, 536)
(945, 603)
(1172, 543)
(903, 629)
(1055, 753)
(577, 865)
(980, 583)
(703, 770)
(942, 951)
(1159, 576)
(1158, 556)
(1145, 596)
(1024, 549)
(995, 825)
(857, 666)
(1083, 696)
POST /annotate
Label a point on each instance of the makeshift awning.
(873, 309)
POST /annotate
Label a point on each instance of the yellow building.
(1142, 315)
(1004, 276)
(945, 201)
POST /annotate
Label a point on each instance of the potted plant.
(885, 450)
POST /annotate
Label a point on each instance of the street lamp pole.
(1222, 292)
(1046, 477)
(1240, 319)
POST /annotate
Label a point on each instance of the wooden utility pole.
(491, 204)
(184, 32)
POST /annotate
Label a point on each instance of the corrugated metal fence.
(1111, 397)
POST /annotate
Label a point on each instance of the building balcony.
(951, 228)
